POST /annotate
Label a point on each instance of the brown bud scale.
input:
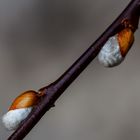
(125, 40)
(26, 99)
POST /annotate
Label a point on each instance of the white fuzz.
(110, 54)
(13, 118)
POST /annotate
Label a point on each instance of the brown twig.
(54, 90)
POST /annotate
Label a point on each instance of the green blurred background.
(39, 40)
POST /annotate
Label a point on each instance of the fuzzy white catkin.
(110, 54)
(13, 118)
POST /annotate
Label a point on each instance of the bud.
(20, 109)
(116, 48)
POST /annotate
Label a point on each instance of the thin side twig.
(54, 90)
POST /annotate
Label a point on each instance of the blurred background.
(39, 40)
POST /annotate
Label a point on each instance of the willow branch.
(54, 90)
